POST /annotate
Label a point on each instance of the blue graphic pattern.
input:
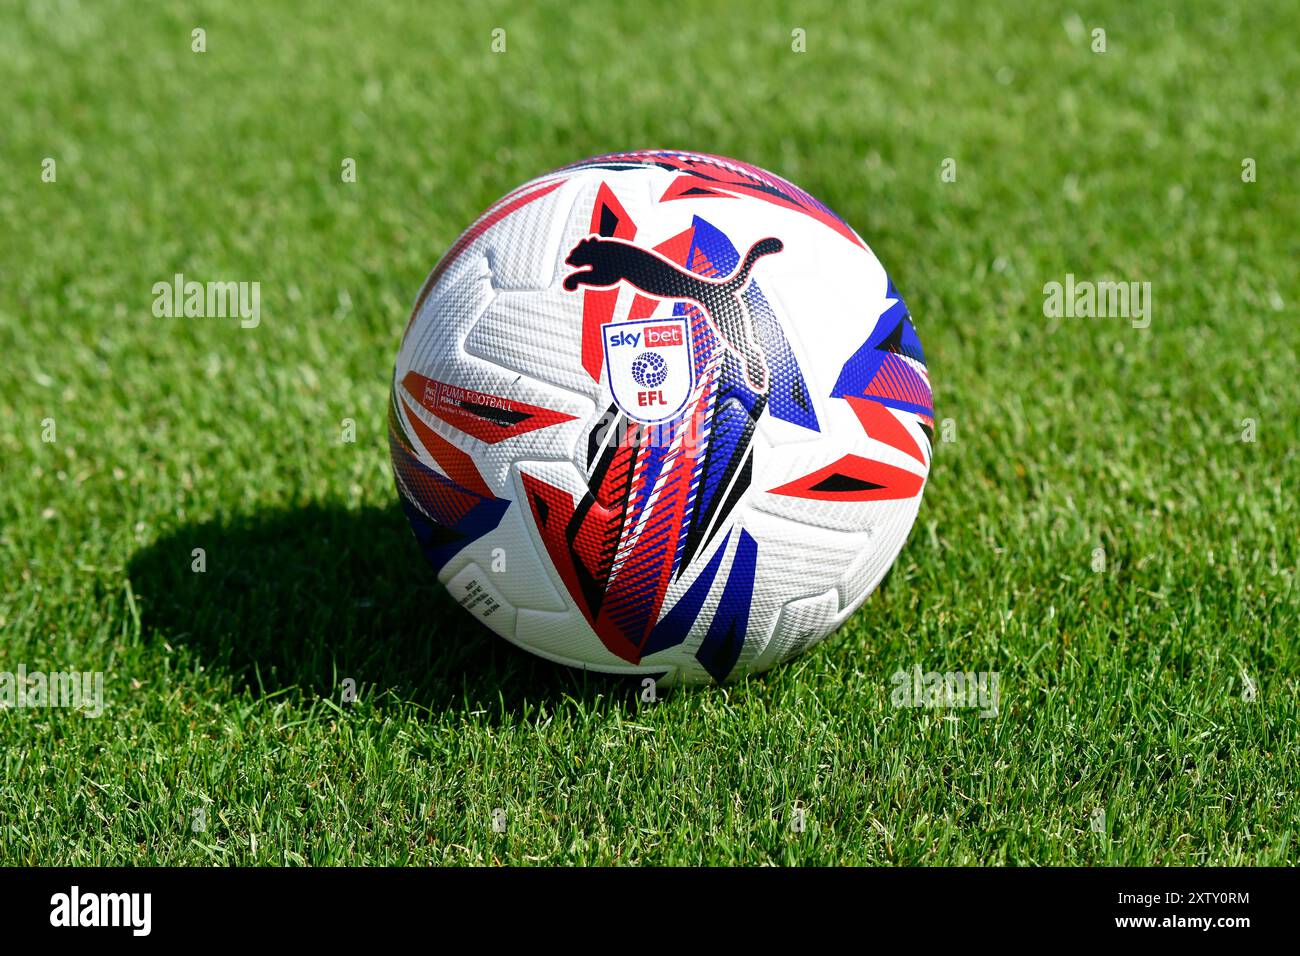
(722, 644)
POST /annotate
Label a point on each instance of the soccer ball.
(660, 413)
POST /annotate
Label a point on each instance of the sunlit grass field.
(1111, 522)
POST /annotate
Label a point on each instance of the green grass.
(1121, 689)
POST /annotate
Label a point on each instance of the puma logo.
(603, 263)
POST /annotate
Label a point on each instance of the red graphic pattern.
(704, 176)
(446, 500)
(616, 568)
(489, 418)
(854, 478)
(897, 380)
(879, 423)
(608, 218)
(455, 464)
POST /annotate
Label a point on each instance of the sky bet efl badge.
(650, 368)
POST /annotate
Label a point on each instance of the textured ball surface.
(661, 413)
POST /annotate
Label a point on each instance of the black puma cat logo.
(603, 263)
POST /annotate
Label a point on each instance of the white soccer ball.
(661, 413)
